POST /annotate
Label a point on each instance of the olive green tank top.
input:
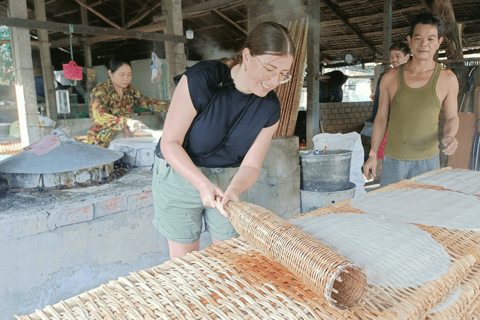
(413, 123)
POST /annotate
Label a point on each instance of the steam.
(289, 10)
(209, 50)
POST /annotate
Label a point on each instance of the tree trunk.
(444, 10)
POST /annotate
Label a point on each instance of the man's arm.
(450, 105)
(380, 123)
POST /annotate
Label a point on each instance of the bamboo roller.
(321, 269)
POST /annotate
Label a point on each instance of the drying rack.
(236, 281)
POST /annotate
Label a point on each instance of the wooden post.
(24, 79)
(174, 51)
(122, 9)
(249, 16)
(313, 59)
(87, 52)
(47, 70)
(387, 29)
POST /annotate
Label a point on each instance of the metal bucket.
(310, 200)
(325, 172)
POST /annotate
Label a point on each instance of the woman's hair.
(116, 62)
(266, 38)
(400, 46)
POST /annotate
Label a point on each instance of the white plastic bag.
(45, 122)
(345, 141)
(156, 67)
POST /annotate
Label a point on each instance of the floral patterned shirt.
(109, 112)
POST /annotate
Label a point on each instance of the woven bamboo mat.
(231, 281)
(236, 281)
(11, 148)
(462, 246)
(475, 315)
(468, 301)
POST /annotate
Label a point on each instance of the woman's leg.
(178, 209)
(216, 242)
(178, 250)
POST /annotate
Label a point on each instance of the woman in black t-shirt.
(221, 119)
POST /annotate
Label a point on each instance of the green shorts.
(179, 211)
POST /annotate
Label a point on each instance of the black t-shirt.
(227, 121)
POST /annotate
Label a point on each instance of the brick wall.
(344, 117)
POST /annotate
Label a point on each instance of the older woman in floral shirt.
(112, 105)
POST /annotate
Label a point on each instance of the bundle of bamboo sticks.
(290, 93)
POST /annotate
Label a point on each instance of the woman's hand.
(221, 203)
(135, 125)
(209, 193)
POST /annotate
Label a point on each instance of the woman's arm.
(149, 103)
(179, 119)
(250, 167)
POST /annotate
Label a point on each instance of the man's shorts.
(179, 211)
(396, 170)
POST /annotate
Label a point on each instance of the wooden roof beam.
(78, 28)
(329, 23)
(76, 10)
(230, 21)
(427, 5)
(352, 28)
(200, 8)
(77, 42)
(99, 15)
(32, 42)
(405, 30)
(146, 13)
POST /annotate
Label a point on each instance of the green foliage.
(6, 61)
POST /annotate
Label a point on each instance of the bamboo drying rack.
(237, 281)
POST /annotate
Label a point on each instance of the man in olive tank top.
(411, 97)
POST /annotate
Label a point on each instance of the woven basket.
(322, 269)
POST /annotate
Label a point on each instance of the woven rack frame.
(236, 281)
(464, 250)
(11, 148)
(468, 301)
(321, 268)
